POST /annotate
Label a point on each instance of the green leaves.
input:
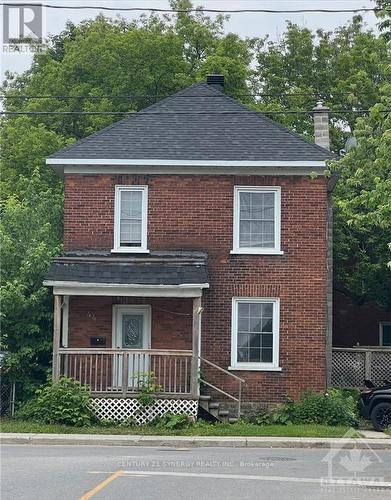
(362, 202)
(147, 389)
(347, 68)
(65, 402)
(30, 236)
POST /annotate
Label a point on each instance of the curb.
(193, 441)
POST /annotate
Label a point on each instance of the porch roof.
(102, 274)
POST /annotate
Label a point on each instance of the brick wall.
(196, 212)
(171, 320)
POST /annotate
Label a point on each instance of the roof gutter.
(185, 167)
(182, 163)
(125, 289)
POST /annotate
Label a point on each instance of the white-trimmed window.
(255, 334)
(385, 334)
(130, 218)
(257, 220)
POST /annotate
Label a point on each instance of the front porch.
(119, 345)
(124, 323)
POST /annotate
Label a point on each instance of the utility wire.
(274, 112)
(194, 10)
(161, 96)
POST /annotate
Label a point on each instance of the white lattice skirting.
(120, 409)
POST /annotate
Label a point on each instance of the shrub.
(331, 408)
(279, 416)
(65, 402)
(335, 407)
(263, 418)
(147, 389)
(173, 421)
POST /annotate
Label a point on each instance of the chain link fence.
(7, 397)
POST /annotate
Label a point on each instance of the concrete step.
(213, 408)
(223, 413)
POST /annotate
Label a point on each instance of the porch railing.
(351, 366)
(123, 372)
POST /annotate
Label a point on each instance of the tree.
(363, 209)
(345, 68)
(385, 18)
(30, 236)
(145, 60)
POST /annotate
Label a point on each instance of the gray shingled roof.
(197, 123)
(127, 271)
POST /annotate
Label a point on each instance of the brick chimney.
(216, 81)
(321, 125)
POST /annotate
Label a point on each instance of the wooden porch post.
(194, 382)
(56, 337)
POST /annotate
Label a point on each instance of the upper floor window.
(257, 220)
(130, 218)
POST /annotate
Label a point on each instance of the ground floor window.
(255, 333)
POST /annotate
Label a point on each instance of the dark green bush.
(173, 421)
(335, 407)
(65, 402)
(331, 408)
(279, 416)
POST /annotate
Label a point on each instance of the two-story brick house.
(195, 238)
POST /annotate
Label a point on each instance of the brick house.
(195, 241)
(360, 324)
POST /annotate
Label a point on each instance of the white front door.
(132, 331)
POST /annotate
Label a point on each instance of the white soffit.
(126, 166)
(126, 290)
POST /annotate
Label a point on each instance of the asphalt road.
(104, 472)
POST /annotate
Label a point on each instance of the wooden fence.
(351, 366)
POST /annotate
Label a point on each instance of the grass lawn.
(199, 429)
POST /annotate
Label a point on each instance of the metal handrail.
(240, 380)
(218, 389)
(221, 369)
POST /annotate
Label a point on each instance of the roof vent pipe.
(321, 125)
(216, 81)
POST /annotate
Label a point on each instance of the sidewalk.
(383, 443)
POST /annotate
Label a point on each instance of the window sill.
(129, 250)
(251, 251)
(255, 368)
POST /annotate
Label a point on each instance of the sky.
(245, 24)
